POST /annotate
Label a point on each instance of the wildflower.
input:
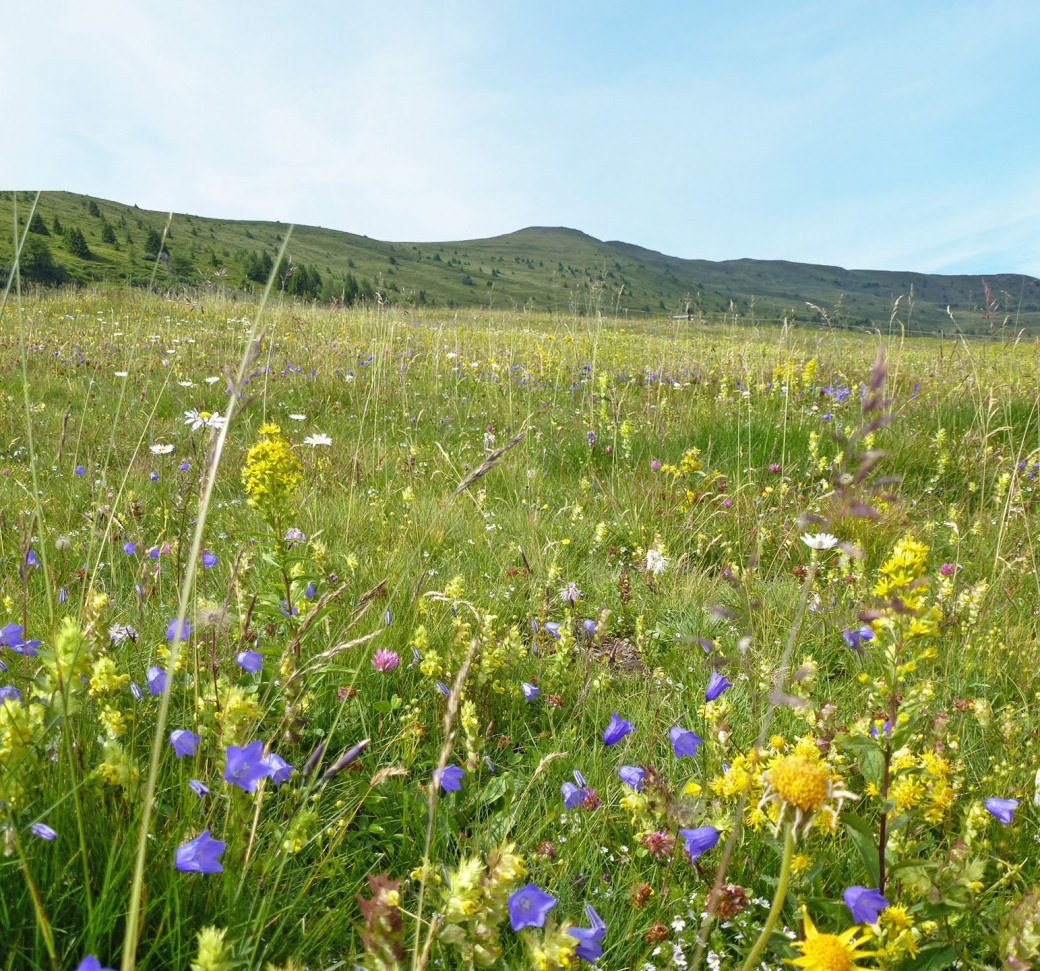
(529, 690)
(200, 855)
(570, 593)
(199, 788)
(294, 535)
(213, 954)
(442, 688)
(91, 963)
(820, 541)
(10, 693)
(183, 631)
(251, 661)
(298, 417)
(318, 439)
(716, 685)
(865, 904)
(43, 831)
(803, 785)
(278, 769)
(617, 729)
(384, 660)
(184, 466)
(660, 843)
(854, 637)
(829, 952)
(119, 632)
(11, 634)
(947, 569)
(590, 628)
(1002, 809)
(654, 465)
(184, 741)
(632, 777)
(698, 840)
(553, 628)
(129, 548)
(79, 470)
(529, 907)
(449, 778)
(588, 938)
(656, 561)
(209, 559)
(684, 742)
(572, 795)
(160, 449)
(156, 680)
(245, 765)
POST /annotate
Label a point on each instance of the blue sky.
(886, 135)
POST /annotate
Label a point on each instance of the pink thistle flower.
(947, 569)
(384, 660)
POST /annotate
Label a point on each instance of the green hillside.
(79, 240)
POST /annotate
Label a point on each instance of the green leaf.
(862, 837)
(495, 789)
(932, 960)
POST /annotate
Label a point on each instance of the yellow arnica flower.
(829, 952)
(800, 786)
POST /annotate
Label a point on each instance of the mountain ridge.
(82, 239)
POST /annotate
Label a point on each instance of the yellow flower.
(800, 862)
(829, 952)
(800, 785)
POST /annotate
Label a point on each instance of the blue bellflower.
(684, 742)
(449, 778)
(529, 907)
(184, 741)
(246, 766)
(588, 938)
(864, 903)
(632, 776)
(617, 729)
(1002, 809)
(716, 685)
(200, 855)
(698, 840)
(251, 661)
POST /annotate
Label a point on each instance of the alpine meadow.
(527, 602)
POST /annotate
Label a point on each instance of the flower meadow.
(366, 639)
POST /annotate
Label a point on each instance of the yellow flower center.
(799, 782)
(825, 952)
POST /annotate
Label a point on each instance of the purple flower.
(251, 661)
(1002, 809)
(617, 729)
(854, 637)
(184, 741)
(570, 593)
(529, 907)
(199, 788)
(443, 688)
(279, 769)
(135, 691)
(294, 535)
(684, 742)
(449, 778)
(91, 963)
(43, 831)
(10, 693)
(184, 630)
(553, 628)
(572, 795)
(632, 777)
(154, 476)
(865, 904)
(309, 592)
(209, 559)
(30, 559)
(529, 690)
(350, 755)
(886, 728)
(716, 685)
(11, 635)
(245, 765)
(184, 466)
(947, 569)
(590, 627)
(79, 470)
(153, 553)
(384, 660)
(156, 680)
(588, 938)
(200, 855)
(129, 547)
(698, 840)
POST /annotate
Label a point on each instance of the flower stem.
(778, 901)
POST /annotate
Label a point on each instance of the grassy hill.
(79, 239)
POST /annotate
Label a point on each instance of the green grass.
(410, 405)
(535, 270)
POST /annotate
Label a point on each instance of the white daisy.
(159, 449)
(656, 561)
(298, 417)
(821, 541)
(320, 439)
(213, 380)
